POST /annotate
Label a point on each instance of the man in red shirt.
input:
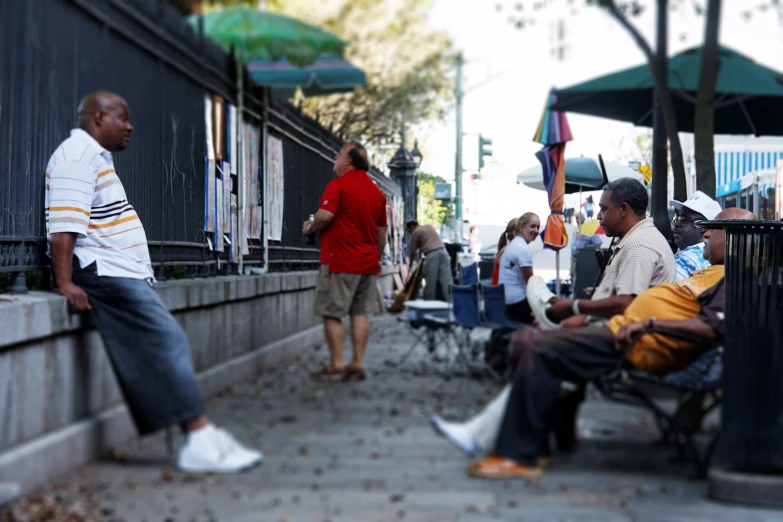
(352, 223)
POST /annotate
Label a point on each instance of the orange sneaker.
(501, 467)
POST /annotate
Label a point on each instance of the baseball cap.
(701, 203)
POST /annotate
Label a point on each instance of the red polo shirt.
(350, 243)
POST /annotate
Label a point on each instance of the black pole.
(660, 160)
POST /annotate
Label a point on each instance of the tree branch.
(664, 98)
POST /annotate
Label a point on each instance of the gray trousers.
(437, 274)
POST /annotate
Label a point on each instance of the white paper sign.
(274, 180)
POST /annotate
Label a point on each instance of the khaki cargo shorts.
(338, 295)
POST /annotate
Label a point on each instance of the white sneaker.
(455, 434)
(232, 443)
(209, 450)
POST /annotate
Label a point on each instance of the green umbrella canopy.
(268, 36)
(327, 75)
(748, 96)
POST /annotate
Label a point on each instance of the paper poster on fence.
(227, 187)
(234, 252)
(210, 211)
(219, 215)
(275, 185)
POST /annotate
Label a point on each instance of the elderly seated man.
(694, 305)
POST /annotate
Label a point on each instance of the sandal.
(354, 374)
(329, 374)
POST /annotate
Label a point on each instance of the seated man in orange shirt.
(694, 305)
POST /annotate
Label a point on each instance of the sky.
(507, 107)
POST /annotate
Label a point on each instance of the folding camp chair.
(466, 307)
(494, 298)
(469, 274)
(698, 393)
(435, 331)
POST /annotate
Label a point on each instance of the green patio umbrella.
(748, 96)
(329, 74)
(261, 35)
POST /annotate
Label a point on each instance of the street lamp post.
(402, 167)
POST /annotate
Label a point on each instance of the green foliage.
(429, 210)
(408, 65)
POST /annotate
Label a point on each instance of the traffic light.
(485, 149)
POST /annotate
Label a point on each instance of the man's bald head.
(352, 156)
(106, 117)
(715, 239)
(734, 213)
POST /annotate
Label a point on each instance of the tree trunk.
(704, 135)
(675, 147)
(664, 96)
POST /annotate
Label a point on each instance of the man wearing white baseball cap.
(687, 236)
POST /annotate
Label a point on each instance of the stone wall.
(59, 402)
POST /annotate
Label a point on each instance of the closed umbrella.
(748, 96)
(553, 132)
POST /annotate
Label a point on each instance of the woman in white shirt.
(516, 267)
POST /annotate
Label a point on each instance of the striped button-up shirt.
(85, 196)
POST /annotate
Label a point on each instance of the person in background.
(569, 208)
(516, 267)
(101, 262)
(437, 263)
(687, 236)
(589, 207)
(352, 223)
(474, 243)
(505, 239)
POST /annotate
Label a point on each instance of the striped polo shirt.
(85, 196)
(642, 259)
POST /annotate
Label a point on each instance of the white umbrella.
(580, 174)
(585, 173)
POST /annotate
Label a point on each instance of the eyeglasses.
(679, 221)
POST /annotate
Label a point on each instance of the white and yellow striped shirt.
(85, 196)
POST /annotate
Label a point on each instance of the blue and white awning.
(731, 166)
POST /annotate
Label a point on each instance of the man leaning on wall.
(352, 223)
(102, 264)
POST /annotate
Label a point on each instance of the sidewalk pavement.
(364, 452)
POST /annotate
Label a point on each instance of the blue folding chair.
(469, 274)
(466, 308)
(495, 307)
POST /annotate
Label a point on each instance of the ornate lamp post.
(402, 167)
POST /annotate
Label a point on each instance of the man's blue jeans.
(148, 349)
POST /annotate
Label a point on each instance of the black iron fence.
(56, 51)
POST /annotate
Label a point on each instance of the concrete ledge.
(38, 315)
(44, 458)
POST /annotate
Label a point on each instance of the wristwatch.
(575, 307)
(651, 323)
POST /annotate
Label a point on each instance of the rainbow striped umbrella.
(553, 132)
(553, 126)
